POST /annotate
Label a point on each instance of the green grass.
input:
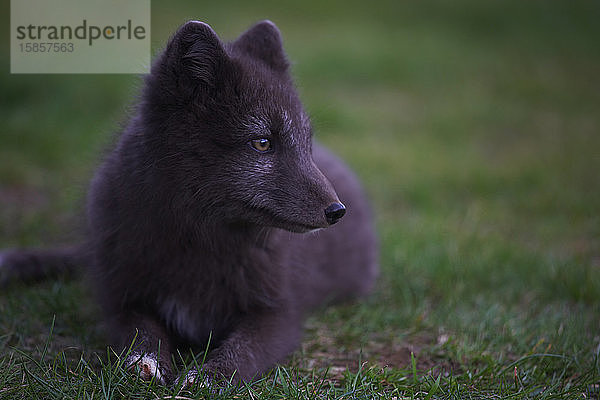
(475, 128)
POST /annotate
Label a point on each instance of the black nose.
(334, 212)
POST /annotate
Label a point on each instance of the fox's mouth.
(303, 228)
(277, 221)
(294, 226)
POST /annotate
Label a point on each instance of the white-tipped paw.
(191, 378)
(146, 366)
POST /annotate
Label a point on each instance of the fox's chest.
(196, 322)
(209, 299)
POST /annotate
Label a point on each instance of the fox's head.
(230, 133)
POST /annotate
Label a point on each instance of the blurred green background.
(474, 125)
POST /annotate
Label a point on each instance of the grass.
(475, 128)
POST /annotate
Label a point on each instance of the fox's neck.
(226, 238)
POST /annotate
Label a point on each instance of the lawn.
(475, 127)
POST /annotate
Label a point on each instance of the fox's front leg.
(150, 354)
(255, 345)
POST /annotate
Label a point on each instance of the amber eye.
(262, 145)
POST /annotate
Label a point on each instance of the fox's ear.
(196, 51)
(263, 41)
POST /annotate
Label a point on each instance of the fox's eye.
(263, 145)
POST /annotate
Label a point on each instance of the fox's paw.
(145, 366)
(192, 378)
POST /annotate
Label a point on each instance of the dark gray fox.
(206, 218)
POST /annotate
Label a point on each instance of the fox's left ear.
(263, 41)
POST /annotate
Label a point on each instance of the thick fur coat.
(212, 216)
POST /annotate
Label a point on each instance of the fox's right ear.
(195, 51)
(263, 41)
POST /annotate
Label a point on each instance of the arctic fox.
(205, 220)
